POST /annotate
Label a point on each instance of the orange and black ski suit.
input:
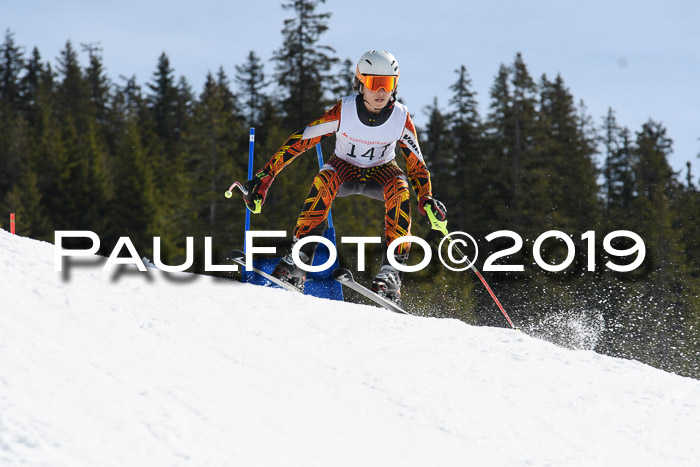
(363, 163)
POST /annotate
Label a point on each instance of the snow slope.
(155, 369)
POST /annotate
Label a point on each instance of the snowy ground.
(155, 369)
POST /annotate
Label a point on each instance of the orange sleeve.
(418, 172)
(305, 139)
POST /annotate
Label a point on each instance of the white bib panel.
(368, 146)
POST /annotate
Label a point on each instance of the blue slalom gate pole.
(246, 275)
(251, 152)
(319, 153)
(319, 284)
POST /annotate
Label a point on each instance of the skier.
(367, 127)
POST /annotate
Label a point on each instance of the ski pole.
(239, 185)
(441, 226)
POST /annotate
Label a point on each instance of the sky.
(641, 58)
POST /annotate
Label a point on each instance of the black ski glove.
(256, 190)
(439, 209)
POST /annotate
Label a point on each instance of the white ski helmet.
(377, 69)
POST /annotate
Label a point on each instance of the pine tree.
(511, 174)
(84, 175)
(18, 142)
(133, 209)
(303, 68)
(438, 152)
(668, 285)
(527, 174)
(688, 222)
(11, 64)
(30, 84)
(98, 84)
(72, 93)
(214, 152)
(565, 153)
(563, 196)
(617, 168)
(163, 105)
(184, 104)
(250, 78)
(539, 174)
(345, 79)
(512, 162)
(466, 134)
(620, 299)
(498, 169)
(50, 157)
(25, 197)
(168, 113)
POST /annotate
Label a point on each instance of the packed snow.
(126, 368)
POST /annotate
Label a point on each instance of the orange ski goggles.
(375, 83)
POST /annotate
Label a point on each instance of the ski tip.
(342, 274)
(236, 254)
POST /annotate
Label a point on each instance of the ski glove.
(256, 190)
(439, 209)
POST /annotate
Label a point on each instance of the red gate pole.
(442, 227)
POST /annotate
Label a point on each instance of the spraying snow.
(132, 368)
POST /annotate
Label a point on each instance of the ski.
(344, 276)
(238, 257)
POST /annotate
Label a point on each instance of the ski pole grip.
(436, 224)
(258, 206)
(239, 185)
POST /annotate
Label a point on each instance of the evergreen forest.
(82, 151)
